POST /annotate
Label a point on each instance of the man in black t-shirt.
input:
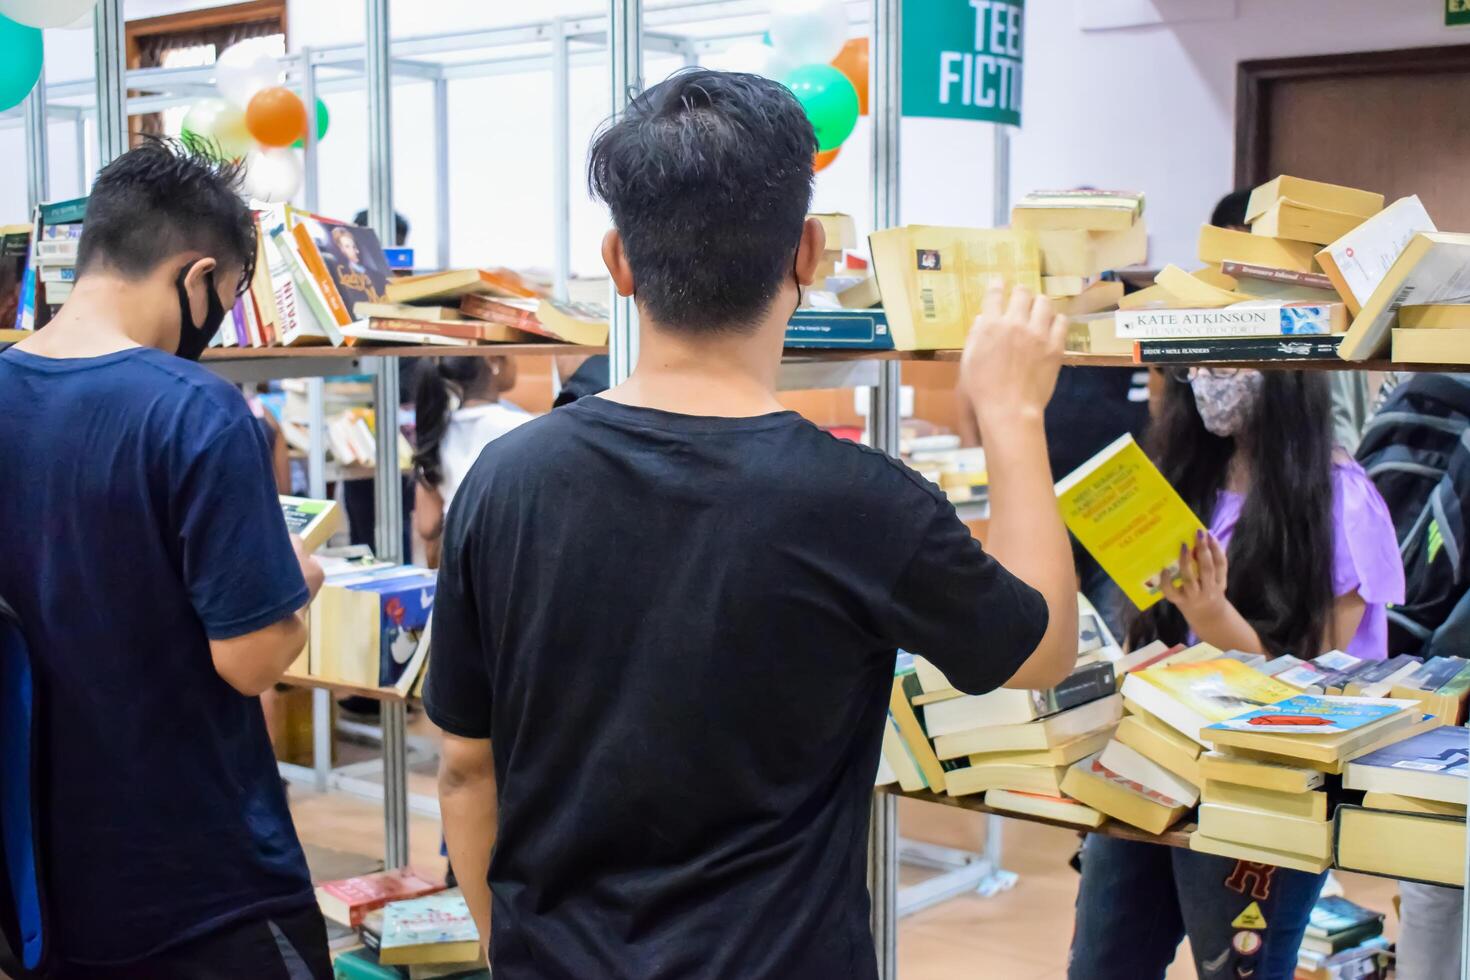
(667, 615)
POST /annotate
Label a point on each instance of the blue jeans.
(1137, 901)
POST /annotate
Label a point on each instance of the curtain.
(152, 49)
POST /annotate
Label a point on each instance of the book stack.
(58, 231)
(1411, 824)
(349, 900)
(434, 936)
(1012, 741)
(1441, 686)
(1267, 778)
(1343, 941)
(1149, 775)
(369, 626)
(468, 306)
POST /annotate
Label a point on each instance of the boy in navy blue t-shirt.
(159, 593)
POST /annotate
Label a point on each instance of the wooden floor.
(1022, 934)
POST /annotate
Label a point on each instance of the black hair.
(1230, 212)
(164, 197)
(437, 381)
(400, 225)
(1280, 555)
(709, 179)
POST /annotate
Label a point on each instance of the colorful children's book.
(434, 929)
(1309, 714)
(1128, 517)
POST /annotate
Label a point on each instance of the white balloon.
(46, 13)
(809, 32)
(273, 176)
(752, 57)
(245, 68)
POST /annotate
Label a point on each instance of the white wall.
(1148, 108)
(1153, 108)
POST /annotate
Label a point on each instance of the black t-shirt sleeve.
(238, 564)
(961, 610)
(457, 692)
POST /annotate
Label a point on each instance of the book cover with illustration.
(1433, 765)
(350, 256)
(1309, 714)
(1128, 517)
(437, 928)
(1216, 689)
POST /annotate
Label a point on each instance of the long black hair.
(440, 383)
(1280, 555)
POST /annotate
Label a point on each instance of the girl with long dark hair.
(1300, 558)
(458, 412)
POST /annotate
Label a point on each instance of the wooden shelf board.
(343, 688)
(1178, 836)
(395, 350)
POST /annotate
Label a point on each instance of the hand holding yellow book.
(1128, 517)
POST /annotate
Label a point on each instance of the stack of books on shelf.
(369, 626)
(1343, 941)
(1012, 745)
(55, 233)
(1411, 824)
(1301, 740)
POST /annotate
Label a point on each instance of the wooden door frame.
(1254, 79)
(193, 20)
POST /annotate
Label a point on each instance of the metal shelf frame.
(618, 37)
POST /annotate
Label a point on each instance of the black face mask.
(195, 337)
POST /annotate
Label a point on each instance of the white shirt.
(471, 430)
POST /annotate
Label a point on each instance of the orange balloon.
(276, 116)
(852, 61)
(820, 161)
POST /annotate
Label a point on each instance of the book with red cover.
(484, 330)
(348, 900)
(1266, 273)
(517, 313)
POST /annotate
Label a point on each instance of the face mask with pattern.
(1225, 402)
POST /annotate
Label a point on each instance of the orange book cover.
(312, 258)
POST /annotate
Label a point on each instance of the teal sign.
(1456, 12)
(962, 59)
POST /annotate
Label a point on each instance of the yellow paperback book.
(1128, 517)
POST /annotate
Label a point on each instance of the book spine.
(306, 292)
(1088, 684)
(1249, 349)
(1290, 277)
(311, 259)
(1271, 321)
(64, 212)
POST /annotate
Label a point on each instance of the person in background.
(1300, 558)
(159, 595)
(667, 615)
(459, 413)
(1352, 397)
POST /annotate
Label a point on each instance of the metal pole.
(441, 169)
(388, 488)
(625, 63)
(887, 111)
(316, 484)
(38, 179)
(81, 136)
(1000, 176)
(561, 154)
(311, 163)
(112, 95)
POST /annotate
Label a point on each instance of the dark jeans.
(291, 946)
(1137, 902)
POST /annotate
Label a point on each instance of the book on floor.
(1253, 319)
(1189, 697)
(1128, 517)
(933, 279)
(1334, 915)
(1221, 245)
(1357, 262)
(1433, 268)
(1433, 765)
(1041, 734)
(1088, 210)
(1314, 194)
(350, 899)
(1058, 808)
(1092, 783)
(1407, 846)
(436, 928)
(313, 521)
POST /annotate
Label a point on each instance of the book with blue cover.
(1311, 714)
(437, 928)
(1433, 765)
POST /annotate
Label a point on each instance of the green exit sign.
(1456, 12)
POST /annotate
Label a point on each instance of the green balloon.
(830, 101)
(20, 61)
(322, 121)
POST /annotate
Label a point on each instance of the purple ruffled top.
(1365, 553)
